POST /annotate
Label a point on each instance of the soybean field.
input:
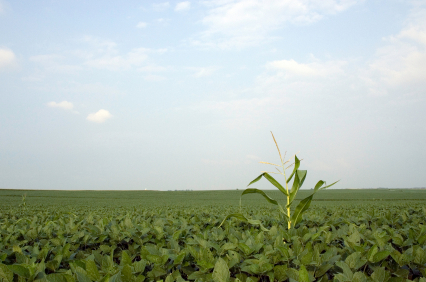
(346, 235)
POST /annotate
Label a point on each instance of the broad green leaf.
(246, 249)
(82, 275)
(347, 272)
(92, 270)
(379, 256)
(303, 274)
(373, 250)
(139, 266)
(197, 275)
(293, 274)
(280, 272)
(228, 246)
(16, 249)
(179, 258)
(59, 277)
(156, 272)
(155, 259)
(221, 271)
(21, 270)
(359, 277)
(257, 222)
(169, 278)
(126, 274)
(125, 259)
(355, 260)
(6, 274)
(379, 275)
(322, 270)
(254, 190)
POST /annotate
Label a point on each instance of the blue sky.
(172, 95)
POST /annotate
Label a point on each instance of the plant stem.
(286, 184)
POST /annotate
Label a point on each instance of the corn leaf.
(254, 190)
(296, 167)
(300, 209)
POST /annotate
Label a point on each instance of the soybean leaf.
(20, 270)
(359, 277)
(380, 256)
(5, 273)
(221, 271)
(254, 190)
(257, 222)
(126, 273)
(280, 272)
(236, 215)
(379, 275)
(347, 272)
(92, 270)
(296, 167)
(303, 274)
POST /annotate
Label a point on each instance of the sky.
(176, 95)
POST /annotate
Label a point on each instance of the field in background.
(202, 198)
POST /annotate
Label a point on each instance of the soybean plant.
(299, 176)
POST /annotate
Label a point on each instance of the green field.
(346, 235)
(202, 198)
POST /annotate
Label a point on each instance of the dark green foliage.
(380, 241)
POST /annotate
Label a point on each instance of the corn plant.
(299, 176)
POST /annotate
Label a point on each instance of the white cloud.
(54, 63)
(99, 117)
(154, 68)
(316, 68)
(183, 6)
(118, 62)
(153, 77)
(161, 6)
(63, 105)
(203, 71)
(402, 61)
(240, 113)
(141, 25)
(7, 58)
(238, 23)
(96, 53)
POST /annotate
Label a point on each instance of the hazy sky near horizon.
(183, 94)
